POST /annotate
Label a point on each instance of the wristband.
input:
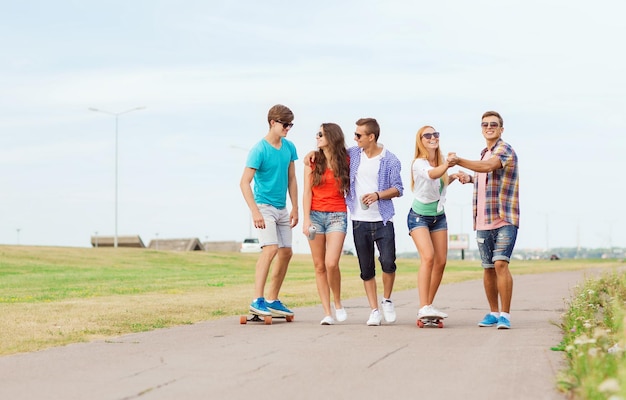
(377, 196)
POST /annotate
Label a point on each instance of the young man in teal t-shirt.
(271, 165)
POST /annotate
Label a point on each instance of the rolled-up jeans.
(365, 235)
(496, 244)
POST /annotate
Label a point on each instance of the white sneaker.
(341, 314)
(375, 318)
(426, 311)
(327, 320)
(438, 313)
(389, 311)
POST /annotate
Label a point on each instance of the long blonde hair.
(422, 152)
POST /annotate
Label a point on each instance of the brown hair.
(493, 114)
(371, 126)
(336, 152)
(279, 113)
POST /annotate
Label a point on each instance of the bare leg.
(318, 252)
(370, 292)
(440, 244)
(279, 271)
(504, 284)
(491, 288)
(262, 269)
(388, 280)
(421, 238)
(334, 246)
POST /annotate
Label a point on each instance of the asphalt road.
(301, 359)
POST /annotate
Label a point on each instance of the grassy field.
(51, 296)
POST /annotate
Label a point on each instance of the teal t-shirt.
(271, 178)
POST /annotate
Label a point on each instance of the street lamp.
(116, 115)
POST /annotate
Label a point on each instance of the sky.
(207, 72)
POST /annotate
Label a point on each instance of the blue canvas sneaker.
(259, 307)
(278, 308)
(489, 320)
(504, 323)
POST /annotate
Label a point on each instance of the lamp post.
(116, 115)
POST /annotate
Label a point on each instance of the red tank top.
(327, 196)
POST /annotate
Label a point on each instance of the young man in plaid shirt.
(496, 215)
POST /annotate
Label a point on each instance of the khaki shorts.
(277, 227)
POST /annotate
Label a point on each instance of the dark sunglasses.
(320, 134)
(489, 124)
(286, 125)
(358, 135)
(431, 135)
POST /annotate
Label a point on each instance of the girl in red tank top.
(326, 183)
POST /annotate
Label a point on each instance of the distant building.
(189, 244)
(122, 241)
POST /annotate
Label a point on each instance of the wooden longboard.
(266, 319)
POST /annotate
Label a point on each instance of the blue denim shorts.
(434, 224)
(330, 221)
(496, 244)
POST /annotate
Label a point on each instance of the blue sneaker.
(489, 320)
(504, 323)
(259, 307)
(278, 308)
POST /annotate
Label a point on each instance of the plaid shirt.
(502, 192)
(388, 176)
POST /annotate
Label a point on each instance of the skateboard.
(266, 319)
(433, 322)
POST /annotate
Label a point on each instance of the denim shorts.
(434, 224)
(330, 221)
(277, 226)
(496, 244)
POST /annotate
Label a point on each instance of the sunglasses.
(489, 124)
(358, 135)
(286, 125)
(431, 135)
(320, 134)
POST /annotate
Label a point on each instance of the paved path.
(303, 360)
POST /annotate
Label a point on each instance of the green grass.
(51, 296)
(594, 340)
(57, 274)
